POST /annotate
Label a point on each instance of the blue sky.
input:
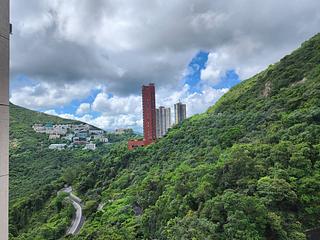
(198, 63)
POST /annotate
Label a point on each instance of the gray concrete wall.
(4, 117)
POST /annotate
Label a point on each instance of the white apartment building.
(180, 112)
(163, 120)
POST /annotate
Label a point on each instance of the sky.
(87, 60)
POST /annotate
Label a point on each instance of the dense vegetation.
(248, 168)
(37, 173)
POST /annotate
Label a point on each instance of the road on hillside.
(78, 219)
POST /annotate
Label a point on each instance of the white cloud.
(44, 95)
(200, 102)
(126, 43)
(117, 105)
(213, 72)
(83, 108)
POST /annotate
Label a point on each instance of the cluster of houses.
(75, 134)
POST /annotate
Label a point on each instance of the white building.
(60, 129)
(57, 146)
(180, 112)
(4, 117)
(69, 137)
(96, 132)
(39, 128)
(80, 127)
(100, 138)
(90, 146)
(163, 120)
(54, 136)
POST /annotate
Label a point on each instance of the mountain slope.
(37, 173)
(32, 165)
(248, 168)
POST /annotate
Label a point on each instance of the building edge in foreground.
(4, 117)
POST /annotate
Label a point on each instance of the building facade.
(180, 112)
(149, 113)
(4, 116)
(149, 118)
(57, 146)
(163, 117)
(90, 146)
(132, 144)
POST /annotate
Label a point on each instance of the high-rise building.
(149, 118)
(4, 116)
(167, 119)
(163, 121)
(180, 112)
(158, 121)
(149, 113)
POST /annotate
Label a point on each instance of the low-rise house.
(100, 138)
(82, 134)
(39, 128)
(75, 139)
(69, 137)
(49, 128)
(80, 127)
(78, 134)
(80, 142)
(57, 129)
(96, 132)
(90, 146)
(64, 126)
(57, 146)
(54, 136)
(132, 144)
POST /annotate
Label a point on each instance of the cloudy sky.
(87, 59)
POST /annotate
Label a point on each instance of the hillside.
(248, 168)
(37, 173)
(32, 165)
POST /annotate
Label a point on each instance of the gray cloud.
(123, 44)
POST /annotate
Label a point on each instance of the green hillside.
(37, 173)
(32, 165)
(248, 168)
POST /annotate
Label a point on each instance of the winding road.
(78, 219)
